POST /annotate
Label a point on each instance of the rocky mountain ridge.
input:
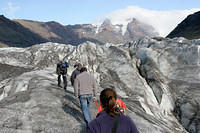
(24, 33)
(157, 78)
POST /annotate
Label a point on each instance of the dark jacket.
(104, 123)
(60, 69)
(74, 74)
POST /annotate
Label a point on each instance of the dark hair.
(108, 99)
(77, 65)
(83, 69)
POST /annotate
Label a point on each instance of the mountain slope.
(110, 33)
(55, 32)
(37, 27)
(79, 33)
(14, 34)
(23, 33)
(188, 28)
(137, 30)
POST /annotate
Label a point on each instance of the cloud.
(163, 21)
(10, 10)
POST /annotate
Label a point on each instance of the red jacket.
(119, 101)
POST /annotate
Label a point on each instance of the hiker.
(110, 120)
(119, 103)
(78, 67)
(61, 70)
(85, 89)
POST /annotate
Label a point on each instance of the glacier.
(157, 78)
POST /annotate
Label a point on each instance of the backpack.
(64, 64)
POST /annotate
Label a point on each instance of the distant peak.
(134, 19)
(107, 22)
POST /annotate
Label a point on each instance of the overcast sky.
(163, 15)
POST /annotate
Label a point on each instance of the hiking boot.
(59, 85)
(65, 88)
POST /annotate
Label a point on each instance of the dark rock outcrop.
(188, 28)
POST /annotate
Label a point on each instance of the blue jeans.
(85, 107)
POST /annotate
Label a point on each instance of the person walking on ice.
(61, 70)
(76, 72)
(110, 120)
(85, 89)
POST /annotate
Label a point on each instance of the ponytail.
(108, 99)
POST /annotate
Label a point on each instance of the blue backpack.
(64, 64)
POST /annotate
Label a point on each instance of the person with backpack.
(61, 70)
(85, 89)
(78, 67)
(110, 120)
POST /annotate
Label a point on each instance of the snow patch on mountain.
(163, 21)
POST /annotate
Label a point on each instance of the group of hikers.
(110, 116)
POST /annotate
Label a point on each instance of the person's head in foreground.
(110, 120)
(108, 99)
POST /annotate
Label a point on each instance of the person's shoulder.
(76, 71)
(119, 100)
(79, 75)
(128, 121)
(125, 117)
(84, 73)
(90, 75)
(66, 63)
(100, 116)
